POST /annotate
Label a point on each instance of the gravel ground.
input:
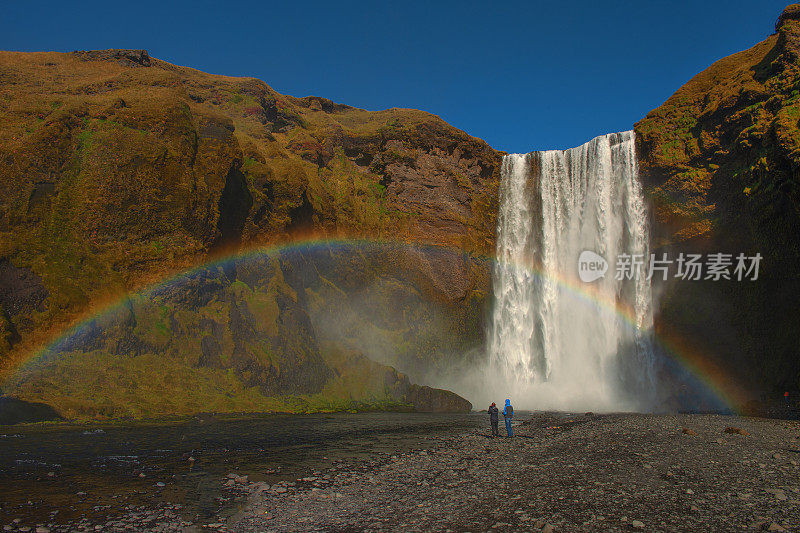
(582, 473)
(560, 473)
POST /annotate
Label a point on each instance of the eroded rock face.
(247, 336)
(21, 290)
(720, 159)
(418, 309)
(128, 174)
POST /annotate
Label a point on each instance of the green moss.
(151, 386)
(85, 139)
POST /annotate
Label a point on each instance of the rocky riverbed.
(582, 473)
(560, 473)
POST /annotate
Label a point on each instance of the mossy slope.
(721, 164)
(230, 338)
(119, 170)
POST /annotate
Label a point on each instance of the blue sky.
(523, 76)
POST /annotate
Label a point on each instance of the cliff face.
(121, 169)
(239, 337)
(721, 161)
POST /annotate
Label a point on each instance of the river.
(56, 473)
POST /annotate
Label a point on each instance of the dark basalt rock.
(21, 289)
(430, 400)
(791, 12)
(14, 411)
(128, 58)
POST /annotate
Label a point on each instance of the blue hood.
(508, 402)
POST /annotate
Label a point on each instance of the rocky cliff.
(721, 161)
(122, 169)
(280, 331)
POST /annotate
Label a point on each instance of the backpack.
(509, 411)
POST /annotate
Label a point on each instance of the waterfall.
(555, 342)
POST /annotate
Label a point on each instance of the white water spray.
(551, 346)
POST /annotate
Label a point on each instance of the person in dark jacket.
(508, 414)
(494, 415)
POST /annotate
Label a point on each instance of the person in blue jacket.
(508, 414)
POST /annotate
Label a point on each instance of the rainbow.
(680, 351)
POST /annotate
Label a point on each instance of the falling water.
(549, 345)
